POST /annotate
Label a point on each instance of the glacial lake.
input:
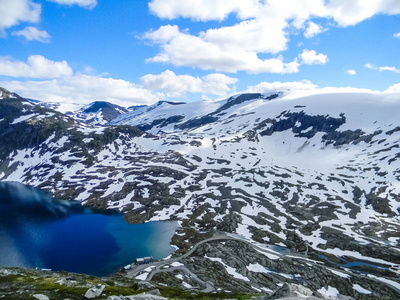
(37, 231)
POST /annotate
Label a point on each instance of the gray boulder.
(94, 291)
(143, 296)
(293, 291)
(144, 285)
(40, 297)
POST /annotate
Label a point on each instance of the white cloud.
(344, 12)
(313, 30)
(390, 69)
(381, 69)
(183, 49)
(348, 13)
(33, 34)
(258, 35)
(272, 87)
(295, 89)
(13, 12)
(163, 35)
(178, 85)
(351, 72)
(82, 3)
(310, 57)
(395, 88)
(397, 35)
(83, 89)
(204, 10)
(262, 27)
(370, 66)
(36, 66)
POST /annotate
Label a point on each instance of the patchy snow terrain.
(319, 174)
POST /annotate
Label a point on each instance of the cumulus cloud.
(13, 12)
(310, 57)
(395, 88)
(348, 13)
(178, 85)
(36, 66)
(343, 12)
(33, 34)
(397, 35)
(262, 29)
(83, 89)
(351, 72)
(183, 49)
(82, 3)
(313, 30)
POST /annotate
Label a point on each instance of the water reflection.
(39, 231)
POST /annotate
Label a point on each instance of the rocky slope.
(317, 174)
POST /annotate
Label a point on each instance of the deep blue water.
(347, 264)
(38, 231)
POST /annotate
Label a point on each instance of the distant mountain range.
(319, 174)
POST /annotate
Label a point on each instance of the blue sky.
(139, 52)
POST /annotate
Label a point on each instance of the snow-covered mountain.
(319, 174)
(140, 115)
(98, 113)
(95, 113)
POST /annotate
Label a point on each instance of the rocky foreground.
(24, 284)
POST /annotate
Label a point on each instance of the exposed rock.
(155, 292)
(40, 297)
(144, 296)
(67, 282)
(95, 291)
(292, 290)
(144, 285)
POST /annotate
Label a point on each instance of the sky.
(134, 52)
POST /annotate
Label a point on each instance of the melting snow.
(330, 292)
(361, 290)
(23, 118)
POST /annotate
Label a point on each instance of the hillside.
(317, 174)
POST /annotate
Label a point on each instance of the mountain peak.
(99, 112)
(101, 105)
(5, 94)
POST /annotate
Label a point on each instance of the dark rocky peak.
(5, 94)
(159, 103)
(102, 106)
(33, 101)
(238, 99)
(107, 111)
(169, 102)
(12, 105)
(214, 116)
(25, 125)
(245, 97)
(136, 107)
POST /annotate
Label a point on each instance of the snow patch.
(361, 290)
(329, 293)
(23, 118)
